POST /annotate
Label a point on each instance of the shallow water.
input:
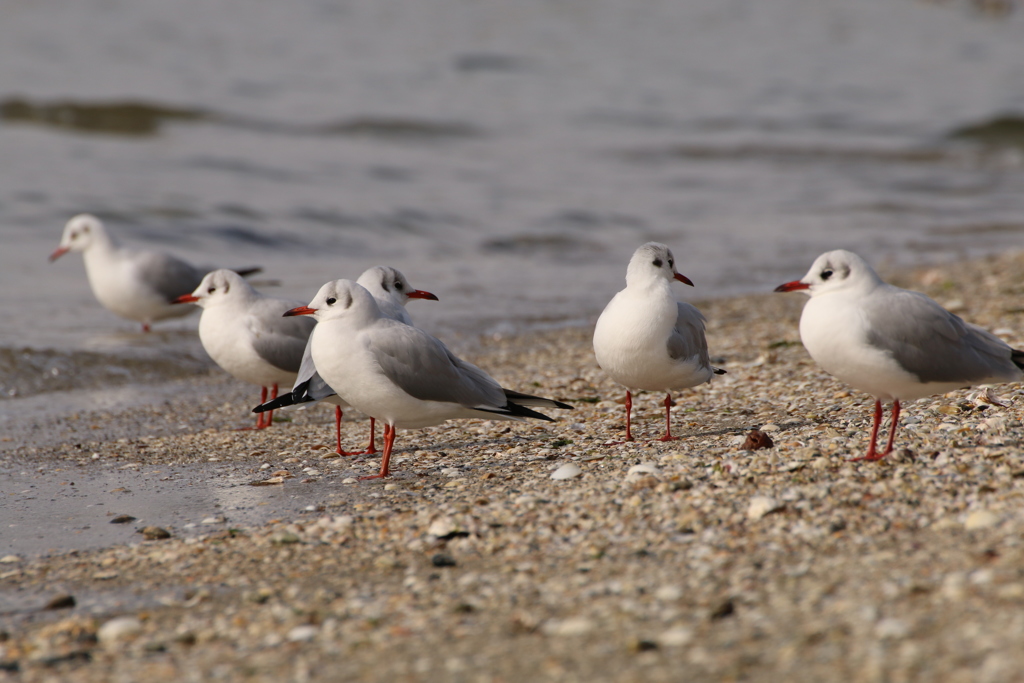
(506, 156)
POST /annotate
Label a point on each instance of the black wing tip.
(250, 270)
(719, 371)
(522, 411)
(516, 410)
(1017, 356)
(546, 402)
(290, 399)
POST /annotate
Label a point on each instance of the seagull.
(892, 343)
(246, 333)
(136, 284)
(646, 340)
(392, 292)
(398, 373)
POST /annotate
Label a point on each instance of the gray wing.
(278, 340)
(687, 340)
(424, 368)
(169, 276)
(933, 344)
(317, 389)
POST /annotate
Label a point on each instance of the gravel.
(478, 561)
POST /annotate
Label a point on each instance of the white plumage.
(646, 340)
(892, 343)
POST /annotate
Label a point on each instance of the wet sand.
(692, 560)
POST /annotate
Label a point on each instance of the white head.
(653, 262)
(387, 283)
(80, 233)
(833, 271)
(340, 299)
(219, 287)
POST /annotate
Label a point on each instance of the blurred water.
(508, 156)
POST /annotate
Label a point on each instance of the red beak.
(57, 253)
(682, 278)
(186, 299)
(420, 294)
(299, 310)
(793, 286)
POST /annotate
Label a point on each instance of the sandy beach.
(691, 560)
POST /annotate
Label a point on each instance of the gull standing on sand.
(136, 284)
(246, 333)
(392, 292)
(398, 373)
(646, 340)
(892, 343)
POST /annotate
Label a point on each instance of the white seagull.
(392, 292)
(246, 333)
(136, 284)
(892, 343)
(646, 340)
(398, 373)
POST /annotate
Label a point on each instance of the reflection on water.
(1000, 131)
(136, 119)
(122, 118)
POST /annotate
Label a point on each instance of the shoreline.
(471, 563)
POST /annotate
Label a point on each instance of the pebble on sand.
(118, 629)
(567, 471)
(154, 533)
(644, 469)
(761, 506)
(980, 519)
(574, 626)
(61, 602)
(301, 634)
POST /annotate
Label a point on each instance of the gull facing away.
(392, 292)
(246, 333)
(398, 373)
(136, 284)
(892, 343)
(646, 340)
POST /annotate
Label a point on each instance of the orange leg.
(874, 435)
(668, 419)
(337, 430)
(629, 410)
(892, 427)
(373, 437)
(261, 418)
(389, 443)
(270, 413)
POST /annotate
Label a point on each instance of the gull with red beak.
(136, 284)
(246, 333)
(892, 343)
(392, 292)
(646, 340)
(398, 373)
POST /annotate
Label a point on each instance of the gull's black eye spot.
(826, 274)
(331, 301)
(211, 290)
(657, 263)
(671, 263)
(398, 286)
